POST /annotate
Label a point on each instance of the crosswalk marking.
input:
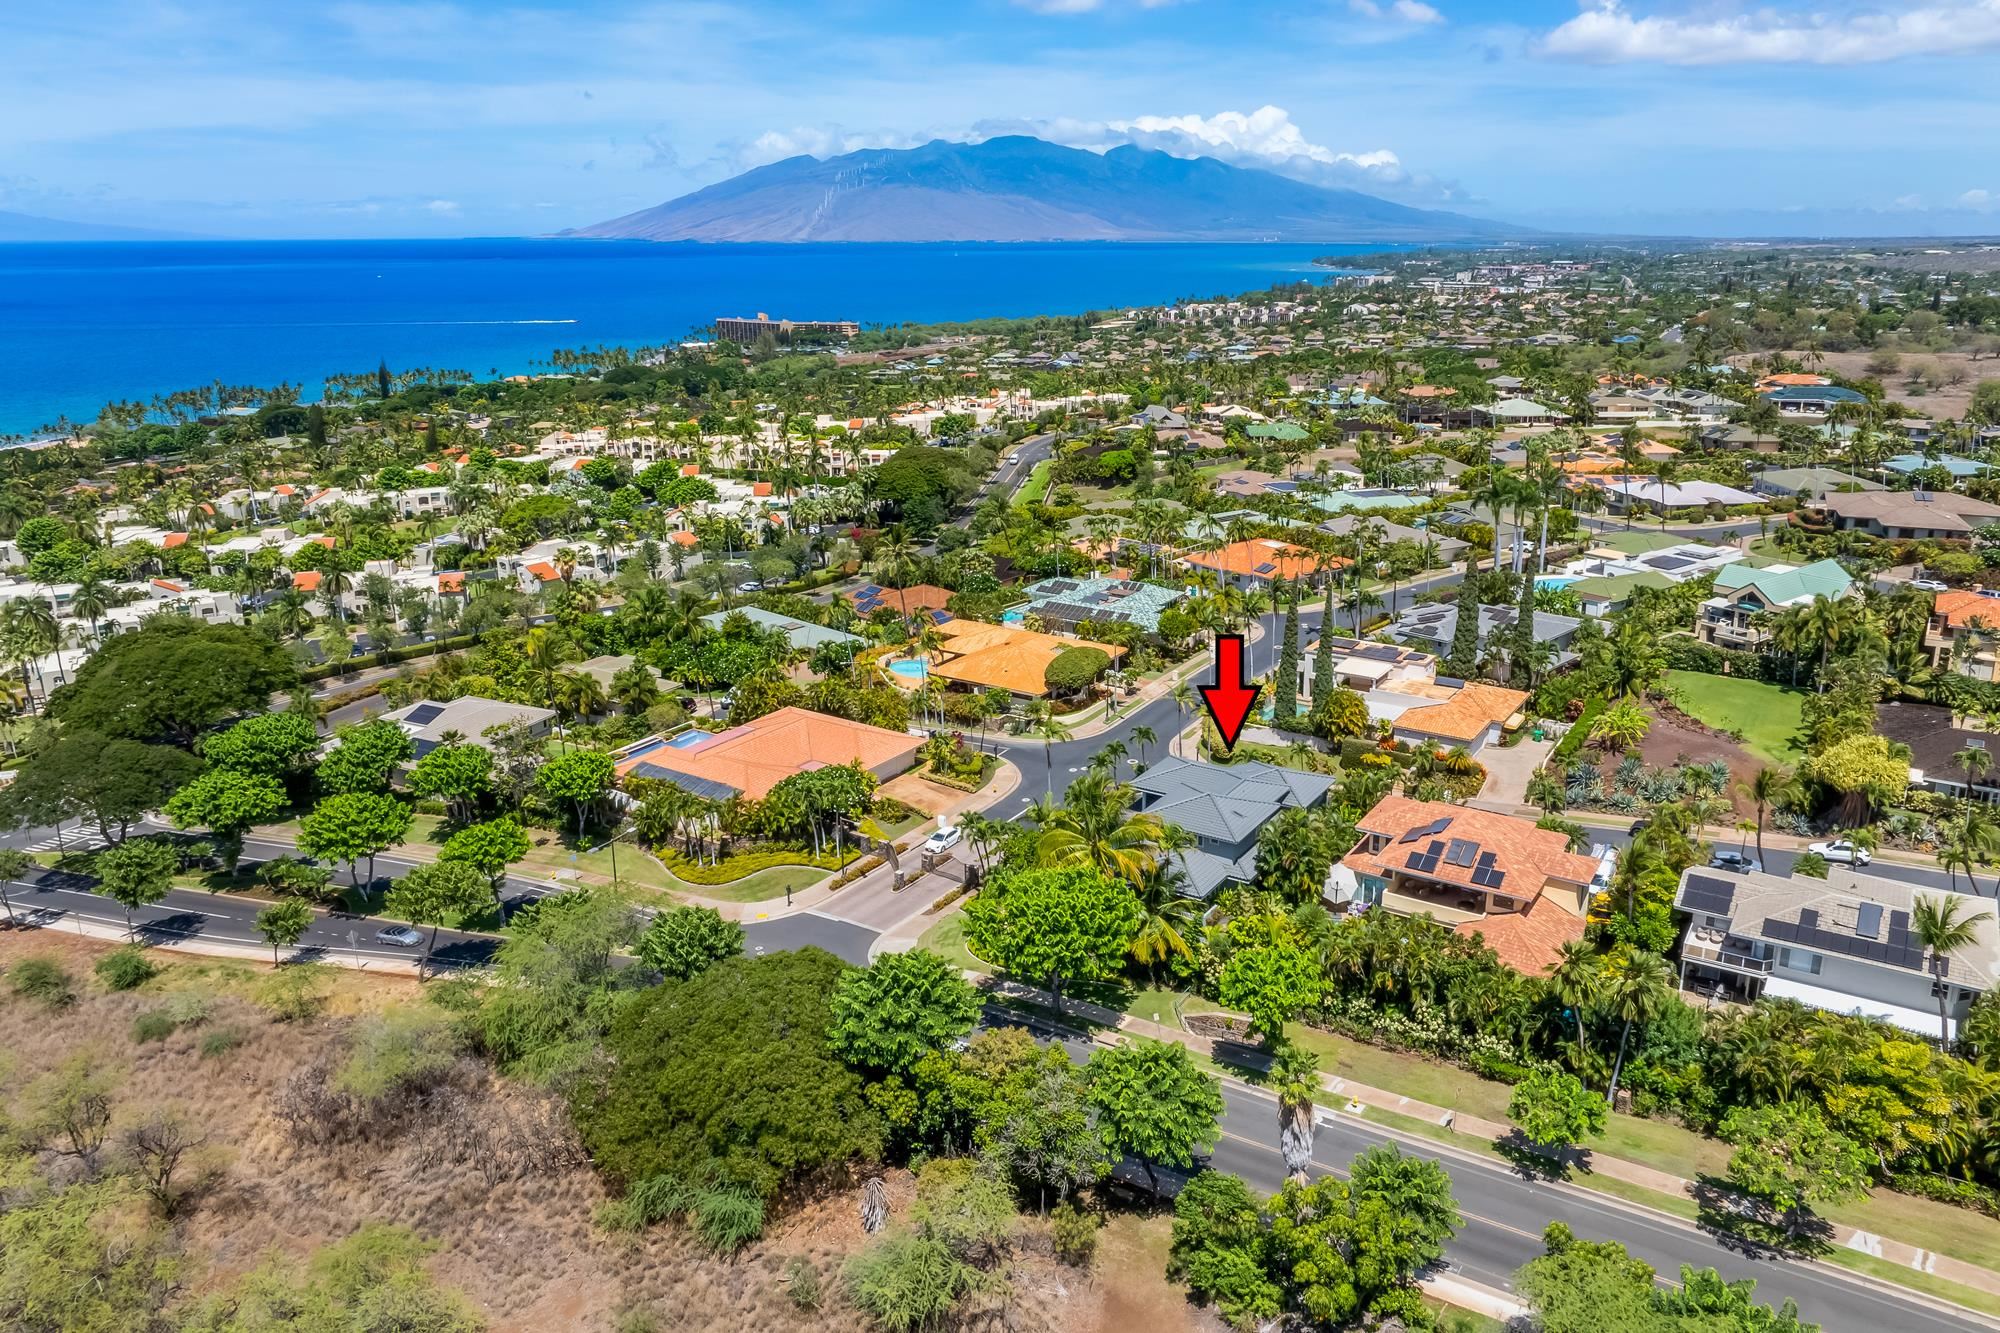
(84, 839)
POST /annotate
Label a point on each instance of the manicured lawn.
(1167, 1003)
(1958, 1232)
(1766, 715)
(757, 888)
(1411, 1075)
(1037, 485)
(946, 938)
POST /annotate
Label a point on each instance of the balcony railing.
(1445, 909)
(1725, 957)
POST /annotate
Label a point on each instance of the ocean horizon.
(86, 323)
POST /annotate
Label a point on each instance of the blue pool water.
(693, 736)
(1555, 580)
(1012, 617)
(910, 667)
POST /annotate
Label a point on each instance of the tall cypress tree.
(1463, 659)
(1323, 655)
(1285, 697)
(1521, 644)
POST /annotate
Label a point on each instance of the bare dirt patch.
(1675, 740)
(1941, 400)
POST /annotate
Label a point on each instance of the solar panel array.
(1461, 852)
(1431, 829)
(424, 714)
(1706, 893)
(1426, 861)
(1900, 949)
(1485, 874)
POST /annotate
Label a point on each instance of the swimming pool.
(1012, 617)
(1556, 580)
(909, 667)
(691, 737)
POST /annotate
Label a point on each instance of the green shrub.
(728, 1218)
(802, 1282)
(908, 1282)
(43, 980)
(740, 865)
(217, 1042)
(459, 995)
(658, 1198)
(1073, 1233)
(399, 1050)
(153, 1025)
(189, 1008)
(125, 969)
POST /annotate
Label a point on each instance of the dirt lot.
(1673, 742)
(498, 1181)
(1940, 401)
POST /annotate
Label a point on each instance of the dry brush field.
(487, 1169)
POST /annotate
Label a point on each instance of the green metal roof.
(1822, 578)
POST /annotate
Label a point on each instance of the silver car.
(401, 936)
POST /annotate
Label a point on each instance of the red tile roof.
(172, 540)
(307, 580)
(544, 571)
(1529, 941)
(451, 581)
(756, 756)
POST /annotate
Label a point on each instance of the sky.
(243, 118)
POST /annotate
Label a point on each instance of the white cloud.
(1413, 12)
(1266, 138)
(442, 206)
(1980, 201)
(1607, 33)
(820, 141)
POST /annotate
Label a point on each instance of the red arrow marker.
(1230, 699)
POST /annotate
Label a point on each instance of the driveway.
(1508, 768)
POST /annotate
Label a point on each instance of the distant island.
(1017, 188)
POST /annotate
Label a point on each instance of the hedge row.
(1573, 739)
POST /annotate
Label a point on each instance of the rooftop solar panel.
(424, 714)
(1869, 923)
(1461, 852)
(1706, 893)
(1266, 568)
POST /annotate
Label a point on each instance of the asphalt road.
(1505, 1212)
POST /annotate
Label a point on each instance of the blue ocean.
(83, 324)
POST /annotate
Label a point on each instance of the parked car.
(944, 840)
(1842, 851)
(752, 586)
(1734, 861)
(400, 936)
(1638, 826)
(1929, 585)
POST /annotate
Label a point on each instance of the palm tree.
(1545, 790)
(1295, 1078)
(1094, 826)
(1183, 704)
(1973, 762)
(1144, 737)
(1638, 991)
(1575, 978)
(90, 600)
(1766, 789)
(1171, 917)
(1043, 722)
(1941, 930)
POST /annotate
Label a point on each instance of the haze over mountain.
(1024, 189)
(28, 227)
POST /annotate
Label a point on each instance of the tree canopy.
(173, 678)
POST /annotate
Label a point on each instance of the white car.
(1842, 851)
(943, 840)
(1929, 585)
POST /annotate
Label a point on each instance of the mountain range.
(1018, 188)
(28, 227)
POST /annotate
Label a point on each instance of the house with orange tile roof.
(979, 656)
(1490, 876)
(751, 759)
(1964, 634)
(1259, 561)
(918, 599)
